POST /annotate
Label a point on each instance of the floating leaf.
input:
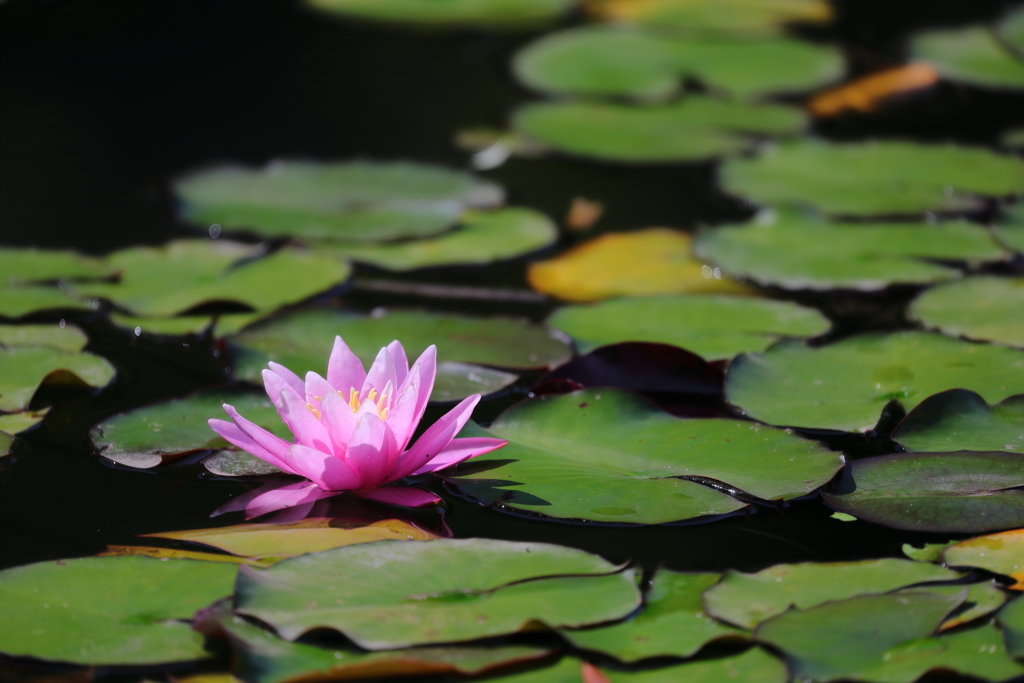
(20, 266)
(753, 666)
(609, 455)
(296, 538)
(262, 657)
(1001, 553)
(796, 250)
(6, 443)
(747, 600)
(723, 18)
(33, 354)
(960, 420)
(163, 432)
(357, 201)
(1011, 31)
(885, 638)
(879, 177)
(672, 624)
(1010, 230)
(12, 423)
(626, 61)
(714, 327)
(982, 308)
(165, 281)
(302, 341)
(982, 599)
(692, 129)
(867, 93)
(846, 385)
(652, 261)
(236, 463)
(1011, 618)
(482, 237)
(492, 14)
(19, 300)
(958, 492)
(173, 554)
(392, 594)
(108, 610)
(929, 552)
(973, 54)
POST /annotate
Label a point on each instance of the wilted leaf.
(1001, 553)
(865, 94)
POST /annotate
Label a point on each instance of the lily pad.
(168, 280)
(1011, 618)
(648, 65)
(1010, 228)
(296, 538)
(651, 261)
(176, 554)
(163, 432)
(982, 308)
(692, 129)
(12, 423)
(960, 420)
(357, 201)
(747, 600)
(885, 638)
(482, 237)
(723, 19)
(874, 178)
(262, 657)
(393, 594)
(1001, 553)
(488, 14)
(958, 492)
(714, 327)
(31, 355)
(108, 610)
(796, 250)
(983, 599)
(974, 54)
(235, 463)
(27, 265)
(302, 341)
(609, 455)
(19, 300)
(672, 624)
(846, 385)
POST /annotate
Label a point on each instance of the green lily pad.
(1001, 553)
(973, 54)
(960, 420)
(357, 201)
(626, 61)
(1011, 31)
(714, 327)
(747, 600)
(846, 385)
(1011, 618)
(219, 325)
(797, 250)
(108, 610)
(983, 598)
(672, 624)
(12, 423)
(34, 354)
(152, 435)
(20, 266)
(1010, 228)
(958, 492)
(488, 14)
(302, 342)
(873, 178)
(731, 19)
(19, 300)
(394, 594)
(929, 552)
(168, 280)
(482, 237)
(982, 308)
(609, 455)
(693, 129)
(885, 638)
(262, 657)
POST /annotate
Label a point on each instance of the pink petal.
(344, 370)
(402, 417)
(338, 419)
(316, 388)
(427, 366)
(381, 372)
(274, 445)
(406, 496)
(293, 380)
(397, 352)
(460, 450)
(324, 470)
(307, 429)
(435, 439)
(367, 454)
(274, 384)
(273, 496)
(236, 437)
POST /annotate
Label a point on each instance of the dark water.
(102, 101)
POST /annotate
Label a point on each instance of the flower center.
(380, 402)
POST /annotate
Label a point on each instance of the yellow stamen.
(312, 409)
(373, 395)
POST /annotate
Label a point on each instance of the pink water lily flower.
(352, 429)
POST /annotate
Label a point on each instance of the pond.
(740, 284)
